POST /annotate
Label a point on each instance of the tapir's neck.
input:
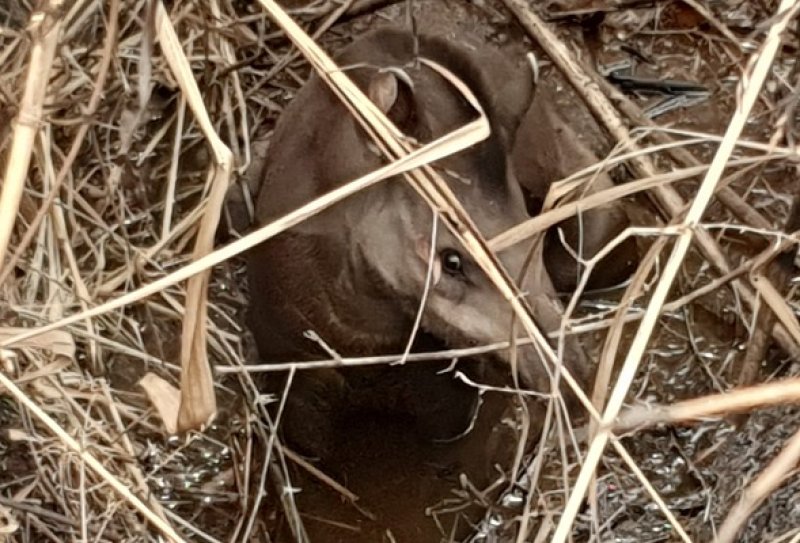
(382, 316)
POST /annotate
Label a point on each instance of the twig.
(738, 400)
(319, 474)
(716, 23)
(343, 362)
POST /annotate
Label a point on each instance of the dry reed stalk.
(660, 135)
(448, 354)
(749, 90)
(293, 54)
(134, 469)
(693, 136)
(547, 219)
(44, 27)
(670, 307)
(611, 345)
(94, 101)
(321, 476)
(535, 470)
(62, 236)
(529, 228)
(353, 362)
(184, 228)
(736, 401)
(448, 144)
(651, 490)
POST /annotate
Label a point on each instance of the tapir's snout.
(569, 354)
(535, 368)
(482, 315)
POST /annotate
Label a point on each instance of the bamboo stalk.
(44, 26)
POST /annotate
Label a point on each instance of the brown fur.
(548, 149)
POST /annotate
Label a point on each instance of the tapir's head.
(403, 248)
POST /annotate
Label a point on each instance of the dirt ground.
(233, 482)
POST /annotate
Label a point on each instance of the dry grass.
(131, 121)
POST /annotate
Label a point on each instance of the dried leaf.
(8, 524)
(61, 343)
(198, 403)
(165, 398)
(15, 434)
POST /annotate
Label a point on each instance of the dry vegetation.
(130, 120)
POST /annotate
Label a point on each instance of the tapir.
(355, 274)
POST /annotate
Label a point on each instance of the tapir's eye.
(452, 262)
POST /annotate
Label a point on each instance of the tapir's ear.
(383, 90)
(512, 101)
(393, 96)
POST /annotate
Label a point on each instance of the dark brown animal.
(355, 274)
(547, 149)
